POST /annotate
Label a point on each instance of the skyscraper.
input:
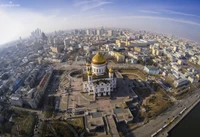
(110, 33)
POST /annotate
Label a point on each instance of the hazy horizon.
(20, 17)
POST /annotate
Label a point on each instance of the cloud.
(180, 13)
(162, 18)
(90, 4)
(148, 11)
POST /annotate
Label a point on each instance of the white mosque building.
(99, 80)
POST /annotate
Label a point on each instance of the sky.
(18, 18)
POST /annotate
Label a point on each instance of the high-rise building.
(110, 33)
(87, 32)
(76, 31)
(98, 32)
(36, 34)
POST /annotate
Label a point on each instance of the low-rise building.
(123, 115)
(57, 49)
(151, 70)
(45, 81)
(16, 100)
(118, 56)
(32, 98)
(180, 82)
(94, 121)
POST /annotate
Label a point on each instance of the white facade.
(99, 81)
(98, 69)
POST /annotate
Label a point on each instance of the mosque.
(99, 80)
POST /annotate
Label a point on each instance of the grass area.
(156, 104)
(55, 129)
(137, 72)
(131, 76)
(24, 124)
(21, 123)
(77, 123)
(48, 112)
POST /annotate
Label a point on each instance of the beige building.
(57, 49)
(94, 121)
(118, 56)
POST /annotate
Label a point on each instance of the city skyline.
(19, 17)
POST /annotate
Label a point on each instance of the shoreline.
(165, 130)
(189, 110)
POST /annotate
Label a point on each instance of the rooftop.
(123, 114)
(94, 120)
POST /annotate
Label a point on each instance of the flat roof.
(123, 114)
(96, 114)
(118, 54)
(94, 120)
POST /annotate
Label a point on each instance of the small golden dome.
(98, 59)
(110, 70)
(87, 64)
(89, 72)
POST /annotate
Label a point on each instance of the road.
(155, 124)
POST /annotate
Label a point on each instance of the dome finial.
(110, 70)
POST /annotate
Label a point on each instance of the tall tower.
(112, 79)
(89, 76)
(110, 73)
(88, 66)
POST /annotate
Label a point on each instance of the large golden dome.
(98, 59)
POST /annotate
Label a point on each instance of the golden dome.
(89, 72)
(98, 59)
(110, 70)
(87, 64)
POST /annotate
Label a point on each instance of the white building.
(99, 81)
(151, 70)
